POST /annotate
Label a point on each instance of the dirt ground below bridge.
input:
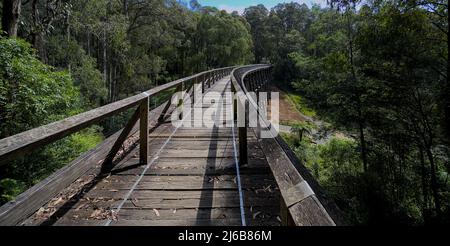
(288, 112)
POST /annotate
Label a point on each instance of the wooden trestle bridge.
(155, 173)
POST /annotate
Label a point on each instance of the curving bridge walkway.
(190, 180)
(155, 173)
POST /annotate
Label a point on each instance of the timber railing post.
(285, 215)
(233, 89)
(253, 81)
(202, 80)
(247, 83)
(143, 131)
(209, 77)
(256, 77)
(243, 156)
(268, 80)
(259, 83)
(193, 86)
(240, 106)
(261, 79)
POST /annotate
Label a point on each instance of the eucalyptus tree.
(257, 17)
(11, 16)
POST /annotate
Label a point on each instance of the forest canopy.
(377, 71)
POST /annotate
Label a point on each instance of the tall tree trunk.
(105, 62)
(361, 124)
(34, 17)
(362, 138)
(111, 81)
(10, 16)
(424, 186)
(125, 7)
(427, 138)
(447, 110)
(434, 184)
(68, 40)
(88, 43)
(114, 92)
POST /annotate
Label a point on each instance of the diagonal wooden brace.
(166, 108)
(107, 163)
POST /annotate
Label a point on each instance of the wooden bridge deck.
(190, 180)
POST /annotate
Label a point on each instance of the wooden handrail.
(304, 202)
(27, 141)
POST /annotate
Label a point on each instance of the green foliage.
(32, 93)
(22, 173)
(379, 72)
(256, 16)
(224, 39)
(89, 80)
(339, 157)
(10, 188)
(83, 68)
(301, 104)
(338, 168)
(340, 172)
